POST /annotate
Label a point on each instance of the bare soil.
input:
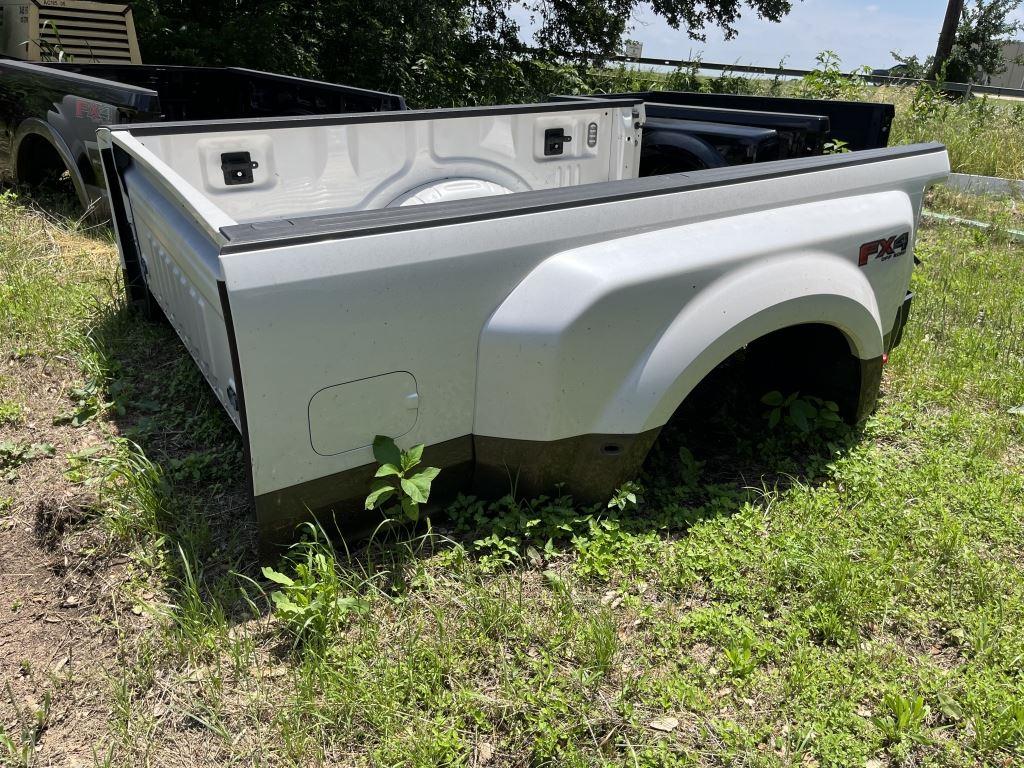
(58, 638)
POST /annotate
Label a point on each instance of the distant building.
(1013, 77)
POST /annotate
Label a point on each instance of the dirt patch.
(59, 514)
(57, 638)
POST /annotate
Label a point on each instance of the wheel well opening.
(813, 359)
(39, 162)
(724, 424)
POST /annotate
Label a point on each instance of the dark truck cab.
(688, 131)
(49, 112)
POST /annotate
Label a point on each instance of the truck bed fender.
(35, 127)
(694, 344)
(643, 325)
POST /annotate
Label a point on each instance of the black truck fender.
(36, 151)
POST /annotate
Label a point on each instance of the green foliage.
(13, 454)
(48, 288)
(982, 135)
(11, 412)
(689, 470)
(599, 642)
(131, 488)
(902, 718)
(828, 81)
(741, 658)
(910, 67)
(626, 496)
(20, 747)
(805, 415)
(51, 48)
(836, 147)
(1001, 732)
(104, 388)
(437, 53)
(314, 602)
(396, 482)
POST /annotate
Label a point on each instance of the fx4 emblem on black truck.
(884, 249)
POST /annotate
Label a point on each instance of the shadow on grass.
(58, 201)
(722, 439)
(160, 401)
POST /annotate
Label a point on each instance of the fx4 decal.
(94, 111)
(885, 249)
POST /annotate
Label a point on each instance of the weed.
(11, 412)
(828, 81)
(902, 718)
(689, 470)
(1000, 732)
(740, 656)
(599, 643)
(130, 486)
(395, 480)
(626, 496)
(32, 719)
(802, 414)
(315, 601)
(103, 380)
(14, 454)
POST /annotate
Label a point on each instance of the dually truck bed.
(533, 314)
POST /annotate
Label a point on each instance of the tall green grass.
(983, 135)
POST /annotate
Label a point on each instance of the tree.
(435, 52)
(983, 30)
(582, 27)
(947, 37)
(976, 48)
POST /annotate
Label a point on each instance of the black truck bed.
(860, 124)
(690, 131)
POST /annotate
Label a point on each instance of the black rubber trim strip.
(311, 229)
(134, 281)
(229, 325)
(355, 118)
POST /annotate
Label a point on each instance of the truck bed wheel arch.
(35, 136)
(674, 152)
(543, 377)
(857, 328)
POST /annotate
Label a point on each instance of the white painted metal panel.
(366, 165)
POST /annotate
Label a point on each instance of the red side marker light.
(885, 358)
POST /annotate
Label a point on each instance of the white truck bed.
(542, 316)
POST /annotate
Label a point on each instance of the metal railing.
(969, 88)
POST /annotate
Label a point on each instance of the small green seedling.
(626, 496)
(396, 481)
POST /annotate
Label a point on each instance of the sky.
(862, 32)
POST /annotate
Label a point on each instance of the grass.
(772, 599)
(983, 135)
